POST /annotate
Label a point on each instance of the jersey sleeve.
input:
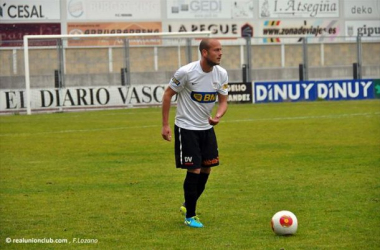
(223, 89)
(178, 81)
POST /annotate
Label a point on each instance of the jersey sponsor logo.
(215, 85)
(175, 81)
(203, 97)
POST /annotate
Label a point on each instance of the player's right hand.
(166, 133)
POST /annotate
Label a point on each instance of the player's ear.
(204, 52)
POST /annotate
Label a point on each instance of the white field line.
(78, 131)
(335, 116)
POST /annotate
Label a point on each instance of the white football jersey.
(197, 93)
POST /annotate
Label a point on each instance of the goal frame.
(26, 39)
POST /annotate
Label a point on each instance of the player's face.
(214, 54)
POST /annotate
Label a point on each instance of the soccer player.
(198, 85)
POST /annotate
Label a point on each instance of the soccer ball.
(284, 223)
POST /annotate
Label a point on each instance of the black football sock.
(203, 177)
(190, 187)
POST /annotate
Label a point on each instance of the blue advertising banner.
(314, 90)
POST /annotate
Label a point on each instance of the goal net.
(101, 70)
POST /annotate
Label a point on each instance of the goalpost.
(27, 38)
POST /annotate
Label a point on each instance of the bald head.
(206, 44)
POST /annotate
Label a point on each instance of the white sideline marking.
(77, 130)
(336, 116)
(304, 117)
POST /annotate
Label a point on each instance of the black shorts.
(195, 148)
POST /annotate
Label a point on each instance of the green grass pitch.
(109, 176)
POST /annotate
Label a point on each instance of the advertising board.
(210, 9)
(31, 10)
(298, 9)
(82, 97)
(314, 90)
(113, 10)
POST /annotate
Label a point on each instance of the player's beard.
(211, 63)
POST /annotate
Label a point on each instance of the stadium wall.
(103, 97)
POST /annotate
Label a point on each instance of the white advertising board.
(82, 97)
(366, 29)
(113, 9)
(290, 31)
(21, 10)
(220, 29)
(298, 8)
(210, 9)
(364, 9)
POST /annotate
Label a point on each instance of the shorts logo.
(203, 97)
(211, 162)
(175, 81)
(188, 160)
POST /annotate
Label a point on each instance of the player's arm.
(222, 109)
(166, 132)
